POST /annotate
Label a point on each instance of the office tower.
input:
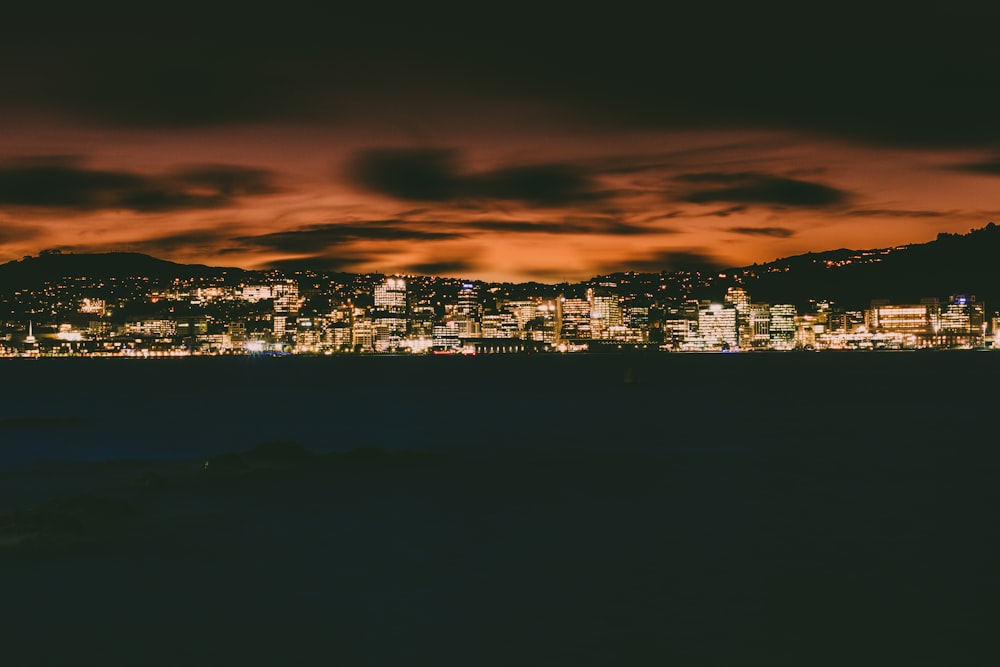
(717, 326)
(575, 318)
(286, 297)
(390, 296)
(605, 312)
(469, 304)
(738, 298)
(782, 326)
(760, 326)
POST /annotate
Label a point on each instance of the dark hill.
(952, 264)
(51, 267)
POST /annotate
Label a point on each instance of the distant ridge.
(951, 264)
(52, 266)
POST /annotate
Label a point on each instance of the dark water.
(756, 509)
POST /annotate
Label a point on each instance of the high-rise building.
(782, 326)
(390, 296)
(738, 298)
(286, 297)
(575, 318)
(605, 312)
(389, 316)
(469, 304)
(760, 326)
(717, 326)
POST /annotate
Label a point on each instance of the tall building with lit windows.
(286, 297)
(717, 326)
(469, 304)
(605, 311)
(781, 327)
(760, 326)
(575, 318)
(390, 296)
(963, 322)
(963, 314)
(738, 298)
(389, 314)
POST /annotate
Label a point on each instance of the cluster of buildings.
(398, 314)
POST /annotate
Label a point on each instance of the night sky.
(505, 143)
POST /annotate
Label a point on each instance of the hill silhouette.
(951, 264)
(52, 266)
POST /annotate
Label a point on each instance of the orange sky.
(459, 157)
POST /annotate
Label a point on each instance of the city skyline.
(552, 147)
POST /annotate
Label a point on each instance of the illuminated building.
(806, 329)
(93, 307)
(155, 328)
(338, 336)
(469, 303)
(717, 326)
(446, 337)
(286, 297)
(605, 312)
(256, 293)
(363, 334)
(192, 326)
(499, 325)
(389, 316)
(524, 311)
(781, 327)
(574, 318)
(279, 325)
(738, 298)
(963, 314)
(963, 323)
(906, 319)
(389, 332)
(307, 337)
(30, 346)
(678, 330)
(636, 320)
(759, 322)
(390, 296)
(421, 325)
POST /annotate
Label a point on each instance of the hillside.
(951, 264)
(31, 272)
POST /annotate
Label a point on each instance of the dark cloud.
(434, 175)
(194, 240)
(226, 179)
(63, 183)
(451, 267)
(759, 188)
(10, 232)
(665, 216)
(988, 167)
(775, 232)
(413, 212)
(311, 238)
(728, 211)
(912, 78)
(571, 225)
(897, 213)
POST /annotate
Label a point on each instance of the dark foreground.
(791, 523)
